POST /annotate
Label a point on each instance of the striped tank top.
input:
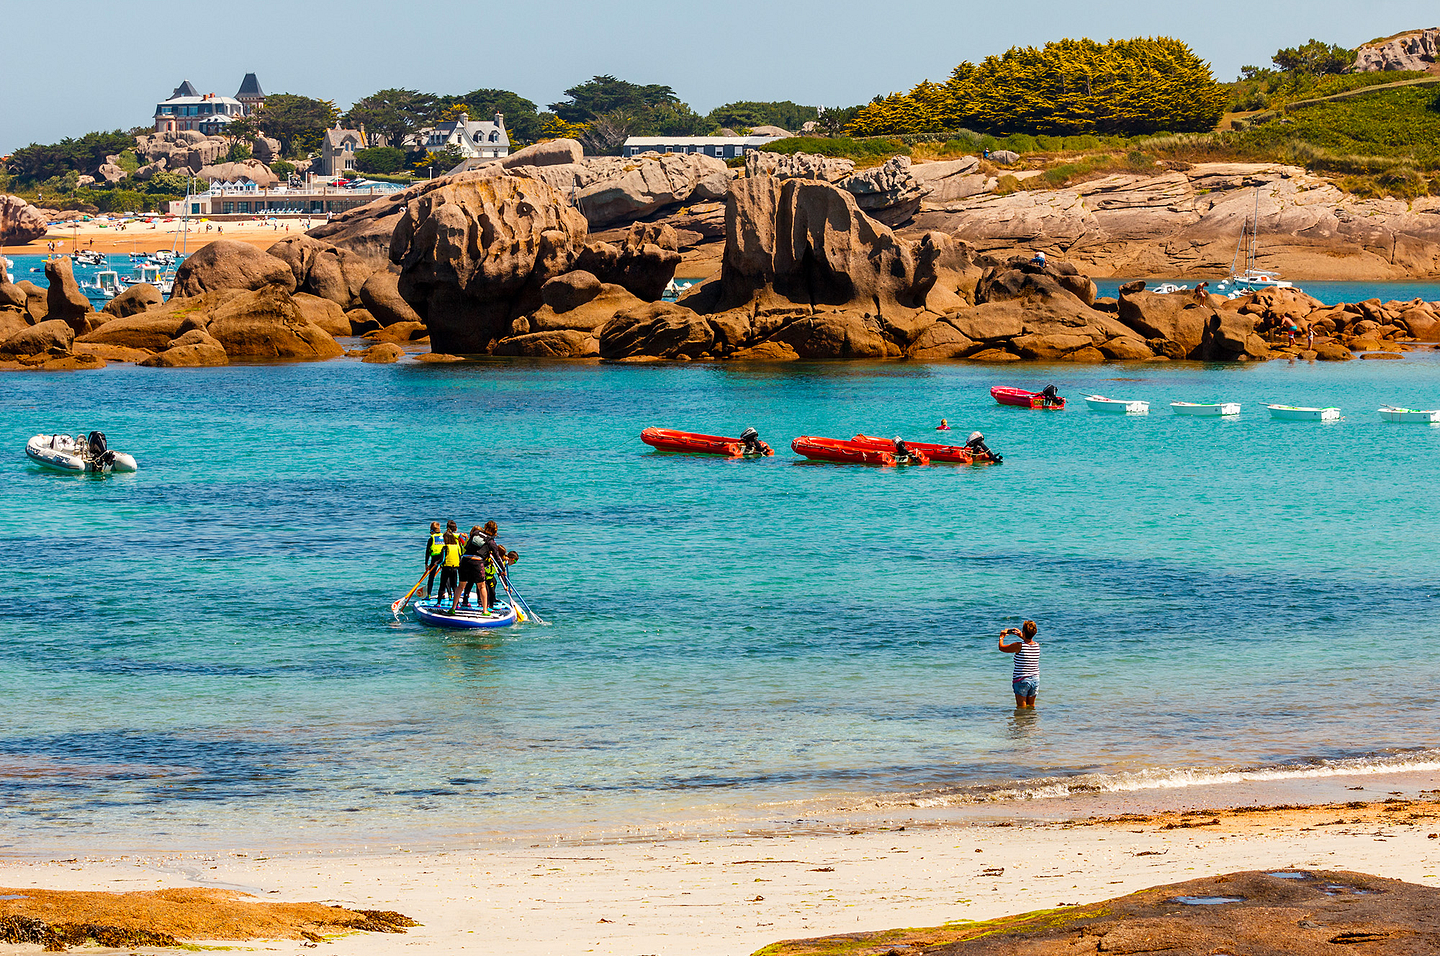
(1027, 661)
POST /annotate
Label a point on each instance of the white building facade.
(720, 147)
(474, 139)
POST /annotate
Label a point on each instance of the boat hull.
(846, 452)
(1291, 413)
(465, 617)
(58, 453)
(949, 454)
(1411, 415)
(1115, 406)
(1218, 410)
(667, 439)
(1020, 398)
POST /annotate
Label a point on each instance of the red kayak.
(838, 449)
(956, 454)
(1023, 399)
(667, 439)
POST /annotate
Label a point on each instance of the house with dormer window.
(337, 151)
(474, 139)
(208, 113)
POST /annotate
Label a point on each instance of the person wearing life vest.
(491, 552)
(433, 543)
(472, 565)
(450, 551)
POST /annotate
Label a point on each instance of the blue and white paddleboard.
(440, 615)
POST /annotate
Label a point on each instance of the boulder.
(588, 316)
(110, 173)
(644, 262)
(570, 290)
(382, 353)
(323, 313)
(658, 330)
(887, 193)
(1004, 157)
(154, 328)
(265, 324)
(400, 332)
(227, 264)
(942, 341)
(950, 179)
(63, 299)
(555, 343)
(363, 321)
(193, 349)
(1419, 50)
(37, 300)
(265, 149)
(798, 166)
(622, 189)
(380, 295)
(11, 295)
(1332, 352)
(12, 320)
(1423, 324)
(554, 152)
(325, 270)
(766, 352)
(993, 355)
(766, 130)
(1177, 323)
(52, 336)
(111, 353)
(20, 222)
(140, 297)
(474, 253)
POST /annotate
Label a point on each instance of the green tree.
(241, 129)
(394, 115)
(439, 163)
(1314, 58)
(749, 114)
(606, 94)
(84, 155)
(298, 122)
(380, 159)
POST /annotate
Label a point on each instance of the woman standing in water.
(1025, 680)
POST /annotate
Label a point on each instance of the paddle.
(504, 577)
(395, 608)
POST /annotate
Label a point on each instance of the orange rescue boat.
(667, 439)
(954, 454)
(850, 452)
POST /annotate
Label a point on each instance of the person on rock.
(1039, 260)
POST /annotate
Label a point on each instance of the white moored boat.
(77, 455)
(1205, 411)
(1294, 413)
(1116, 406)
(1392, 414)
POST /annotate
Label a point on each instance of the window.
(495, 136)
(228, 207)
(242, 207)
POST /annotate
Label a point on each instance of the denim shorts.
(1025, 686)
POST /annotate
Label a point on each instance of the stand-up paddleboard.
(437, 614)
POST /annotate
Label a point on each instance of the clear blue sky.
(72, 66)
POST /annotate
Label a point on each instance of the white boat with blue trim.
(1390, 413)
(1201, 410)
(1116, 406)
(1301, 413)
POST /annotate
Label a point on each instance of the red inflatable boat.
(955, 454)
(1023, 399)
(838, 449)
(667, 439)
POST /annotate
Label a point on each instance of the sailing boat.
(1252, 279)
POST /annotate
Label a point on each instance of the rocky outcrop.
(1419, 50)
(1186, 223)
(798, 166)
(380, 296)
(323, 313)
(20, 222)
(952, 179)
(110, 173)
(140, 297)
(554, 152)
(266, 324)
(192, 349)
(643, 262)
(154, 328)
(475, 251)
(227, 264)
(325, 270)
(1259, 913)
(51, 337)
(383, 353)
(181, 149)
(616, 189)
(887, 193)
(265, 149)
(63, 298)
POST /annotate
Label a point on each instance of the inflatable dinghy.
(77, 455)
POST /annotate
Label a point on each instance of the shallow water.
(202, 652)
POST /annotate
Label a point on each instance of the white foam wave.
(1178, 778)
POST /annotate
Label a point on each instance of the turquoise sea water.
(202, 653)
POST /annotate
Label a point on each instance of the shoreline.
(735, 892)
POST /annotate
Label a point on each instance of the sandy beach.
(733, 894)
(152, 237)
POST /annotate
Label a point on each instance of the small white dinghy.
(1392, 414)
(77, 455)
(1295, 413)
(1116, 406)
(1215, 410)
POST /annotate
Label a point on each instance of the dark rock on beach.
(1312, 913)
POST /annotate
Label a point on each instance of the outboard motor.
(97, 444)
(1051, 395)
(750, 439)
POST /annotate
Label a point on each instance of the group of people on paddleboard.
(465, 563)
